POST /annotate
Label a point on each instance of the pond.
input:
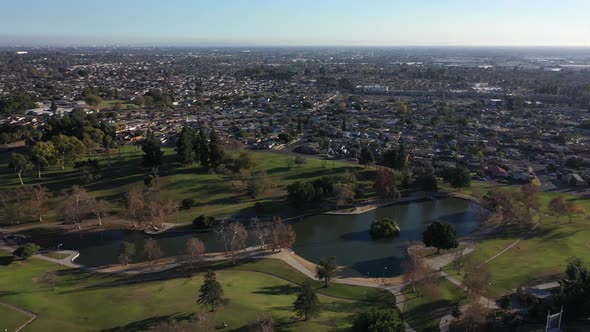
(344, 236)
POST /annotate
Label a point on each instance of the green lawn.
(11, 319)
(424, 313)
(215, 195)
(132, 303)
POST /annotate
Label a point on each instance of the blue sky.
(301, 22)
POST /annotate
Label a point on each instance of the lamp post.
(59, 252)
(383, 274)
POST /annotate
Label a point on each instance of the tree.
(261, 232)
(211, 292)
(326, 269)
(195, 249)
(202, 149)
(38, 201)
(152, 251)
(477, 280)
(557, 207)
(366, 156)
(93, 100)
(427, 183)
(149, 181)
(572, 209)
(386, 182)
(384, 228)
(185, 150)
(233, 236)
(307, 303)
(126, 251)
(135, 202)
(379, 320)
(20, 164)
(50, 278)
(216, 152)
(68, 148)
(75, 205)
(529, 196)
(415, 269)
(53, 106)
(152, 155)
(281, 234)
(343, 193)
(457, 177)
(264, 323)
(440, 235)
(475, 314)
(100, 208)
(26, 251)
(43, 154)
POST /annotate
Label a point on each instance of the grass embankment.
(424, 313)
(215, 195)
(85, 301)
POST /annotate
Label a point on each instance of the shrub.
(203, 222)
(26, 251)
(384, 228)
(379, 320)
(188, 203)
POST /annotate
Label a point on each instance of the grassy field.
(215, 195)
(11, 319)
(111, 103)
(424, 313)
(85, 301)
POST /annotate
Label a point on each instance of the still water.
(346, 237)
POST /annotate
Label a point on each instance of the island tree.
(440, 235)
(384, 228)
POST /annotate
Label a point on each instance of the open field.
(110, 103)
(215, 195)
(86, 301)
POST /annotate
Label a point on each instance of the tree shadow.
(6, 260)
(278, 290)
(150, 323)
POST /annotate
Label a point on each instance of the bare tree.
(264, 323)
(38, 200)
(477, 280)
(414, 267)
(475, 314)
(75, 206)
(281, 234)
(237, 235)
(135, 206)
(152, 251)
(458, 261)
(100, 208)
(51, 278)
(260, 232)
(202, 323)
(157, 212)
(195, 249)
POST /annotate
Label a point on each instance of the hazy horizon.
(257, 23)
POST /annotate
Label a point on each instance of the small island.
(384, 228)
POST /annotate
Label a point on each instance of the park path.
(31, 315)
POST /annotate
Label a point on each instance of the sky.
(296, 22)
